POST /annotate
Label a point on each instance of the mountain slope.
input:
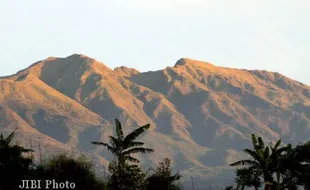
(28, 135)
(251, 101)
(201, 115)
(92, 84)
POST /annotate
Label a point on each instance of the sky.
(153, 34)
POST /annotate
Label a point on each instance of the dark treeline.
(272, 167)
(68, 172)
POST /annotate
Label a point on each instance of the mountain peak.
(182, 61)
(187, 61)
(56, 67)
(77, 55)
(126, 71)
(81, 59)
(51, 58)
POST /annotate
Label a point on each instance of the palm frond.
(254, 140)
(134, 167)
(25, 150)
(245, 163)
(278, 152)
(104, 144)
(119, 130)
(253, 154)
(289, 147)
(138, 150)
(98, 143)
(276, 146)
(133, 135)
(266, 152)
(261, 143)
(135, 144)
(20, 149)
(260, 152)
(113, 141)
(10, 137)
(131, 159)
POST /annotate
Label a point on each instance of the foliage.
(275, 167)
(162, 177)
(14, 164)
(122, 147)
(297, 165)
(279, 168)
(246, 177)
(66, 168)
(125, 176)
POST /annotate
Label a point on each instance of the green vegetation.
(125, 173)
(274, 167)
(125, 176)
(14, 164)
(67, 168)
(162, 177)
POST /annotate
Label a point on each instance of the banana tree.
(264, 161)
(123, 146)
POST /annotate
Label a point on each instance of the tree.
(297, 166)
(303, 157)
(63, 168)
(247, 178)
(127, 177)
(122, 147)
(14, 164)
(230, 188)
(162, 177)
(265, 161)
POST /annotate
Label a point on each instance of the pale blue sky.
(152, 34)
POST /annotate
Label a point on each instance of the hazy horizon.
(151, 35)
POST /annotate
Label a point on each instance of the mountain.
(201, 115)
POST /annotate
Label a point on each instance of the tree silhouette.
(297, 166)
(162, 177)
(125, 176)
(14, 164)
(265, 161)
(122, 147)
(63, 168)
(247, 178)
